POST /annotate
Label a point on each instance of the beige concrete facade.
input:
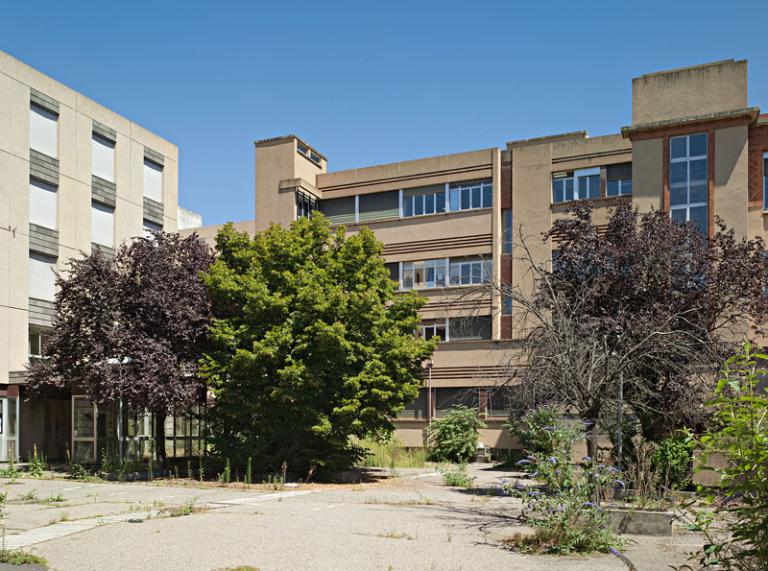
(75, 119)
(631, 165)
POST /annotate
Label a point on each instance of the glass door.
(8, 429)
(84, 418)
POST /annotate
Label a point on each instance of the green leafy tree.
(311, 345)
(454, 437)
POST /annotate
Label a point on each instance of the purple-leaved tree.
(132, 328)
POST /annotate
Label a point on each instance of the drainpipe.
(429, 392)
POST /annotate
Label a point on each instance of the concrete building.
(74, 176)
(449, 224)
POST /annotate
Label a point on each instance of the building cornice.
(751, 113)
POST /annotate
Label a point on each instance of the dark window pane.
(613, 188)
(626, 186)
(678, 215)
(699, 218)
(697, 145)
(429, 204)
(408, 206)
(678, 195)
(594, 186)
(558, 191)
(568, 195)
(477, 269)
(678, 173)
(440, 202)
(677, 147)
(698, 170)
(419, 206)
(487, 196)
(698, 193)
(476, 197)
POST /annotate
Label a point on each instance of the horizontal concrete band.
(17, 377)
(108, 252)
(103, 191)
(41, 312)
(43, 167)
(103, 131)
(154, 156)
(153, 211)
(42, 100)
(43, 240)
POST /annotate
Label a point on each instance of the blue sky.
(367, 82)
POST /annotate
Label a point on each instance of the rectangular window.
(42, 204)
(306, 204)
(470, 271)
(469, 328)
(38, 340)
(103, 157)
(499, 402)
(150, 228)
(421, 201)
(470, 195)
(42, 277)
(418, 408)
(587, 183)
(688, 181)
(394, 271)
(506, 231)
(506, 304)
(102, 225)
(339, 210)
(378, 206)
(153, 180)
(582, 184)
(43, 131)
(765, 181)
(446, 399)
(434, 328)
(619, 179)
(424, 275)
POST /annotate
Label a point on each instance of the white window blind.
(42, 204)
(42, 279)
(153, 181)
(103, 157)
(42, 131)
(102, 225)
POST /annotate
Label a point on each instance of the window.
(103, 157)
(38, 340)
(102, 225)
(418, 408)
(394, 271)
(688, 181)
(378, 206)
(150, 228)
(469, 328)
(506, 304)
(446, 399)
(306, 204)
(470, 195)
(421, 201)
(619, 179)
(42, 204)
(506, 231)
(307, 152)
(153, 180)
(581, 184)
(470, 271)
(499, 402)
(426, 274)
(431, 329)
(42, 277)
(42, 131)
(765, 181)
(339, 210)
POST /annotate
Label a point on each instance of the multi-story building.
(74, 176)
(452, 223)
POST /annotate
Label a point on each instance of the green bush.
(458, 478)
(739, 435)
(672, 460)
(542, 430)
(15, 557)
(454, 437)
(567, 516)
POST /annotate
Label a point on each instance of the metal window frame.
(688, 158)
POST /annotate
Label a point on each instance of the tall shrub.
(454, 437)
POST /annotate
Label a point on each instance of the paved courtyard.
(410, 522)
